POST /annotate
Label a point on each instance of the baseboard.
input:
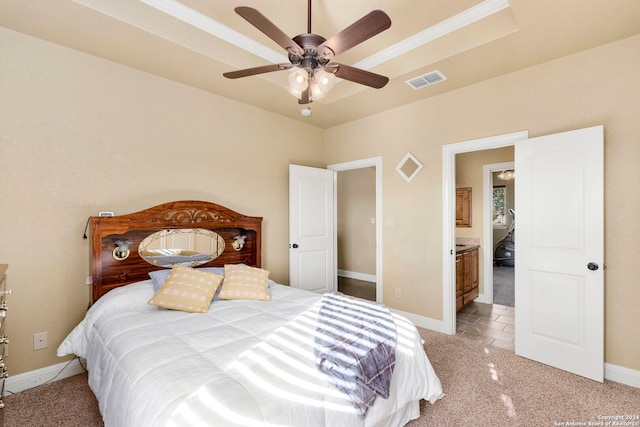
(357, 276)
(27, 380)
(484, 298)
(422, 321)
(622, 375)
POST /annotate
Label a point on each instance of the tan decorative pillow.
(187, 289)
(244, 282)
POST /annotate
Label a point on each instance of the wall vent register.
(426, 80)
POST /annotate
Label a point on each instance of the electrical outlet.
(89, 280)
(40, 341)
(398, 293)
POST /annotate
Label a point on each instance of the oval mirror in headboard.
(185, 246)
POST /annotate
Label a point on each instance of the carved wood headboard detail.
(109, 273)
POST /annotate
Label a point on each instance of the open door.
(312, 256)
(559, 273)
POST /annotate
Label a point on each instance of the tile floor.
(491, 323)
(357, 288)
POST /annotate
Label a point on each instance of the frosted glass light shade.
(299, 80)
(316, 92)
(294, 92)
(324, 80)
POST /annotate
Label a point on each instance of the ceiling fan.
(313, 54)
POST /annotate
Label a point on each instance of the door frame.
(487, 240)
(376, 163)
(449, 152)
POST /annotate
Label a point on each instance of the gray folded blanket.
(355, 346)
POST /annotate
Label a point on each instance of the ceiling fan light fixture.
(324, 80)
(507, 175)
(299, 80)
(317, 92)
(294, 92)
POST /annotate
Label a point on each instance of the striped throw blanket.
(355, 347)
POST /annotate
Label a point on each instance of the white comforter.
(244, 363)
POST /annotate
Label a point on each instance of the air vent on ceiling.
(426, 80)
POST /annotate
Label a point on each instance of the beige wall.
(598, 86)
(356, 197)
(79, 135)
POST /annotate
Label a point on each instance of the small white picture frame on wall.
(409, 167)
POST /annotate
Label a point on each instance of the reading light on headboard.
(238, 242)
(121, 251)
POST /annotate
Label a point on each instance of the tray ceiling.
(195, 41)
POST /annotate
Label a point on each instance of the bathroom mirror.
(188, 247)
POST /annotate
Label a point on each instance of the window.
(499, 207)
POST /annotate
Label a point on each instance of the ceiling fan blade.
(358, 75)
(366, 27)
(259, 21)
(256, 70)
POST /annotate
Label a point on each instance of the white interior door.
(559, 242)
(312, 256)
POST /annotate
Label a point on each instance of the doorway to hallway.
(358, 231)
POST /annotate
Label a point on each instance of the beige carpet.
(489, 386)
(485, 386)
(68, 402)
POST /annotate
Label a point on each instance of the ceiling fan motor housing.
(310, 60)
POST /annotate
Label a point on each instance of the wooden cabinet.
(466, 277)
(3, 335)
(463, 207)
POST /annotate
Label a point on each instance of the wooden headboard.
(109, 273)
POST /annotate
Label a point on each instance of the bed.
(241, 361)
